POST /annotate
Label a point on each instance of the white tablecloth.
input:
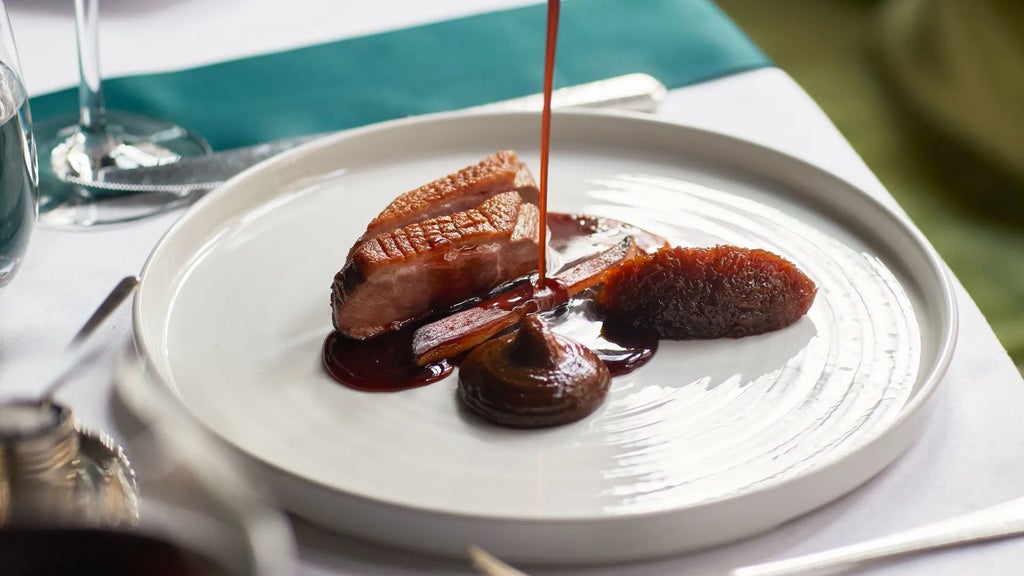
(970, 454)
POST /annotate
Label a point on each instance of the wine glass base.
(135, 141)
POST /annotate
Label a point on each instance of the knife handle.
(999, 521)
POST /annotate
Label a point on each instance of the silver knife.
(995, 522)
(636, 92)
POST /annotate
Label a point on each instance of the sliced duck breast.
(408, 272)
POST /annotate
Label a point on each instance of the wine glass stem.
(92, 117)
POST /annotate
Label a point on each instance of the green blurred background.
(931, 95)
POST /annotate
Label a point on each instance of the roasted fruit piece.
(428, 266)
(682, 293)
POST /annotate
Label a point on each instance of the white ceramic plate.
(710, 442)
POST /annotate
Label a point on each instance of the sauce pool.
(382, 364)
(622, 350)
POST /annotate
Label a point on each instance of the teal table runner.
(431, 68)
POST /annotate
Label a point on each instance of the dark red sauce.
(381, 364)
(622, 350)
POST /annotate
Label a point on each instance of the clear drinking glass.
(74, 150)
(18, 175)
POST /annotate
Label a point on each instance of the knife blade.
(635, 92)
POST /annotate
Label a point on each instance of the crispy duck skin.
(407, 272)
(462, 331)
(498, 173)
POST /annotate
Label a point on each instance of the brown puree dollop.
(533, 378)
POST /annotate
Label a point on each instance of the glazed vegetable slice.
(465, 330)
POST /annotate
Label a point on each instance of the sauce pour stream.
(545, 137)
